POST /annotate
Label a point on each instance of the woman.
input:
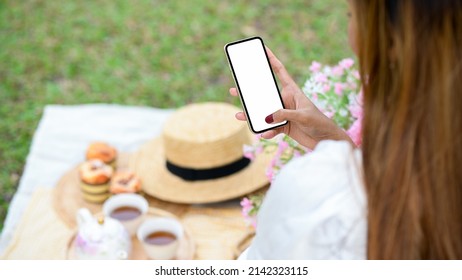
(401, 198)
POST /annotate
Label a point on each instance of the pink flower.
(297, 154)
(347, 63)
(326, 88)
(282, 145)
(246, 203)
(314, 96)
(329, 114)
(270, 174)
(245, 213)
(351, 85)
(249, 152)
(339, 88)
(356, 111)
(250, 156)
(259, 150)
(315, 67)
(355, 132)
(247, 206)
(320, 78)
(356, 75)
(337, 71)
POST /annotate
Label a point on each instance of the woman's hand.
(306, 124)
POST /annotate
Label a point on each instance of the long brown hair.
(410, 55)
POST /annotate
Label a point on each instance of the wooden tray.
(186, 247)
(217, 228)
(244, 244)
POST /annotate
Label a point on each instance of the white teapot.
(100, 239)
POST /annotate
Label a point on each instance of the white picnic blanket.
(62, 137)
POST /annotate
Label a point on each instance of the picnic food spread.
(210, 148)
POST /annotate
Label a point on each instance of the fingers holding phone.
(239, 115)
(279, 69)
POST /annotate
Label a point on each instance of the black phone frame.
(249, 121)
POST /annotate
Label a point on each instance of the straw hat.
(199, 157)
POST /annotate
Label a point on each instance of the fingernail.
(269, 119)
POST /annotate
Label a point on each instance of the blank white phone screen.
(255, 82)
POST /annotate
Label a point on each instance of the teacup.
(160, 237)
(129, 209)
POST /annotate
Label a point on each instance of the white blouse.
(315, 208)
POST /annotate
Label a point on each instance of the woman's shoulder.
(315, 199)
(333, 166)
(326, 155)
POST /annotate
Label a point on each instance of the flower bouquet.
(336, 91)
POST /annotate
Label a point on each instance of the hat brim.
(149, 164)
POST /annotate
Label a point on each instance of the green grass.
(155, 53)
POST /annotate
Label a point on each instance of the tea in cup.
(160, 237)
(129, 209)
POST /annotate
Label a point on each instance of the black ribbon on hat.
(190, 174)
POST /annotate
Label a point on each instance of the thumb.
(283, 115)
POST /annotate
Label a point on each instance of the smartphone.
(255, 82)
